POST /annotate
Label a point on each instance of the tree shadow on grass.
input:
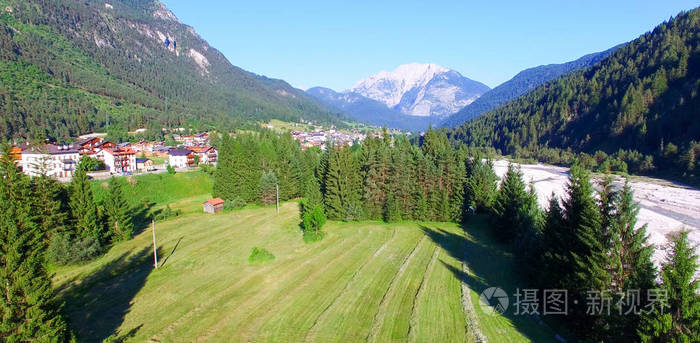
(491, 265)
(142, 216)
(172, 251)
(96, 307)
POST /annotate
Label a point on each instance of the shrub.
(313, 218)
(208, 168)
(171, 170)
(259, 255)
(237, 202)
(167, 213)
(63, 250)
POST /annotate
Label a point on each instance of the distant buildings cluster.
(320, 136)
(61, 161)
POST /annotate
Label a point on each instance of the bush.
(259, 255)
(238, 202)
(171, 170)
(313, 219)
(167, 213)
(91, 164)
(63, 250)
(208, 169)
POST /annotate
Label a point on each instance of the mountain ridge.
(134, 53)
(523, 82)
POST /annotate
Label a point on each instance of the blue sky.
(337, 43)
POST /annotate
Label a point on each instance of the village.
(190, 151)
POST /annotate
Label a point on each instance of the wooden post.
(155, 253)
(277, 189)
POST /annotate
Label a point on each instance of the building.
(118, 160)
(181, 158)
(57, 161)
(207, 154)
(88, 145)
(214, 205)
(144, 164)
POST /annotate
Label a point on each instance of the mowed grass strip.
(438, 314)
(392, 322)
(293, 319)
(351, 316)
(244, 319)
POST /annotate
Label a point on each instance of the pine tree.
(50, 199)
(554, 256)
(402, 177)
(120, 220)
(268, 188)
(510, 201)
(375, 171)
(83, 208)
(680, 321)
(28, 310)
(632, 268)
(480, 185)
(589, 262)
(224, 185)
(342, 185)
(392, 210)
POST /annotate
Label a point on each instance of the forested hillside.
(520, 84)
(69, 67)
(637, 108)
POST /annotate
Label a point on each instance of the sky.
(335, 44)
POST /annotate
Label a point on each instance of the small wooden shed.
(214, 205)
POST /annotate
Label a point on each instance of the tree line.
(587, 241)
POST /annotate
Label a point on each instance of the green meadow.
(364, 282)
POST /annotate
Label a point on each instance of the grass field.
(364, 281)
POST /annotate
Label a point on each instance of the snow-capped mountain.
(421, 89)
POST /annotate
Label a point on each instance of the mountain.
(363, 109)
(421, 89)
(640, 104)
(68, 67)
(520, 84)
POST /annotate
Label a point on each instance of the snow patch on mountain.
(421, 89)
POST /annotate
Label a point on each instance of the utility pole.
(277, 188)
(155, 253)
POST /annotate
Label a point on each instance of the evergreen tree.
(268, 188)
(680, 320)
(224, 185)
(28, 310)
(555, 259)
(375, 171)
(83, 208)
(120, 220)
(632, 268)
(508, 205)
(342, 185)
(481, 185)
(589, 260)
(392, 210)
(50, 204)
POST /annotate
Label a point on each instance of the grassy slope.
(179, 190)
(365, 281)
